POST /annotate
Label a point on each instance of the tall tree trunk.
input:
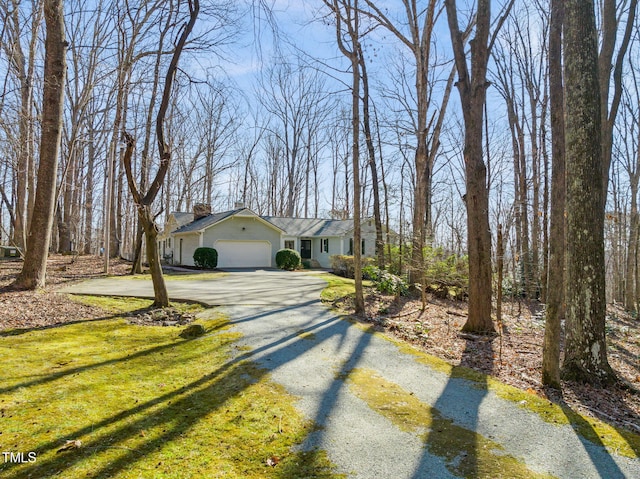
(88, 194)
(347, 19)
(366, 121)
(25, 71)
(34, 269)
(555, 285)
(586, 349)
(632, 248)
(472, 87)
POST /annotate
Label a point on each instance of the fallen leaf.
(70, 444)
(273, 461)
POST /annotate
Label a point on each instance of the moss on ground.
(146, 404)
(338, 287)
(465, 452)
(125, 304)
(615, 440)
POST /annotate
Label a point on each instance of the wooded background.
(263, 111)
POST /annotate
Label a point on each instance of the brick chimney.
(200, 210)
(239, 204)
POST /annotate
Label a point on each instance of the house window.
(362, 251)
(168, 242)
(324, 245)
(289, 244)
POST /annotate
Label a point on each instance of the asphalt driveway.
(313, 352)
(236, 287)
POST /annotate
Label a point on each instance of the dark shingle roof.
(206, 221)
(290, 226)
(310, 226)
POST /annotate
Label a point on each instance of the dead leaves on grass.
(70, 445)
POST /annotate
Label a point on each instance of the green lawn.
(145, 403)
(338, 287)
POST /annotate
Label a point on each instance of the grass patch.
(466, 453)
(308, 335)
(126, 305)
(145, 404)
(338, 287)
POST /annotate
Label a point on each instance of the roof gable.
(215, 218)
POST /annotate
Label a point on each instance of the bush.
(386, 282)
(342, 265)
(446, 275)
(206, 258)
(288, 259)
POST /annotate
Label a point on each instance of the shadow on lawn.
(21, 331)
(184, 408)
(72, 371)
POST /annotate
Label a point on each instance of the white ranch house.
(244, 239)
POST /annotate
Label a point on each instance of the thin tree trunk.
(630, 289)
(144, 202)
(366, 120)
(609, 107)
(555, 285)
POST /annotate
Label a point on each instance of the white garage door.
(243, 254)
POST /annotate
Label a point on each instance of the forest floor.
(515, 357)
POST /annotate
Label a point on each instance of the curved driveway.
(310, 351)
(236, 287)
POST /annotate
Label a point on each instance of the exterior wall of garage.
(183, 248)
(243, 228)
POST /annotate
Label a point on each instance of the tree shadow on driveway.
(457, 443)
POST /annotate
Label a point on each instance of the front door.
(305, 249)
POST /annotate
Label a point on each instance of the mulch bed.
(46, 307)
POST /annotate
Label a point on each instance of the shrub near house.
(288, 259)
(206, 258)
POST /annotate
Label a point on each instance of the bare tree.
(427, 123)
(472, 86)
(371, 150)
(630, 140)
(347, 21)
(295, 97)
(144, 199)
(610, 18)
(34, 269)
(23, 66)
